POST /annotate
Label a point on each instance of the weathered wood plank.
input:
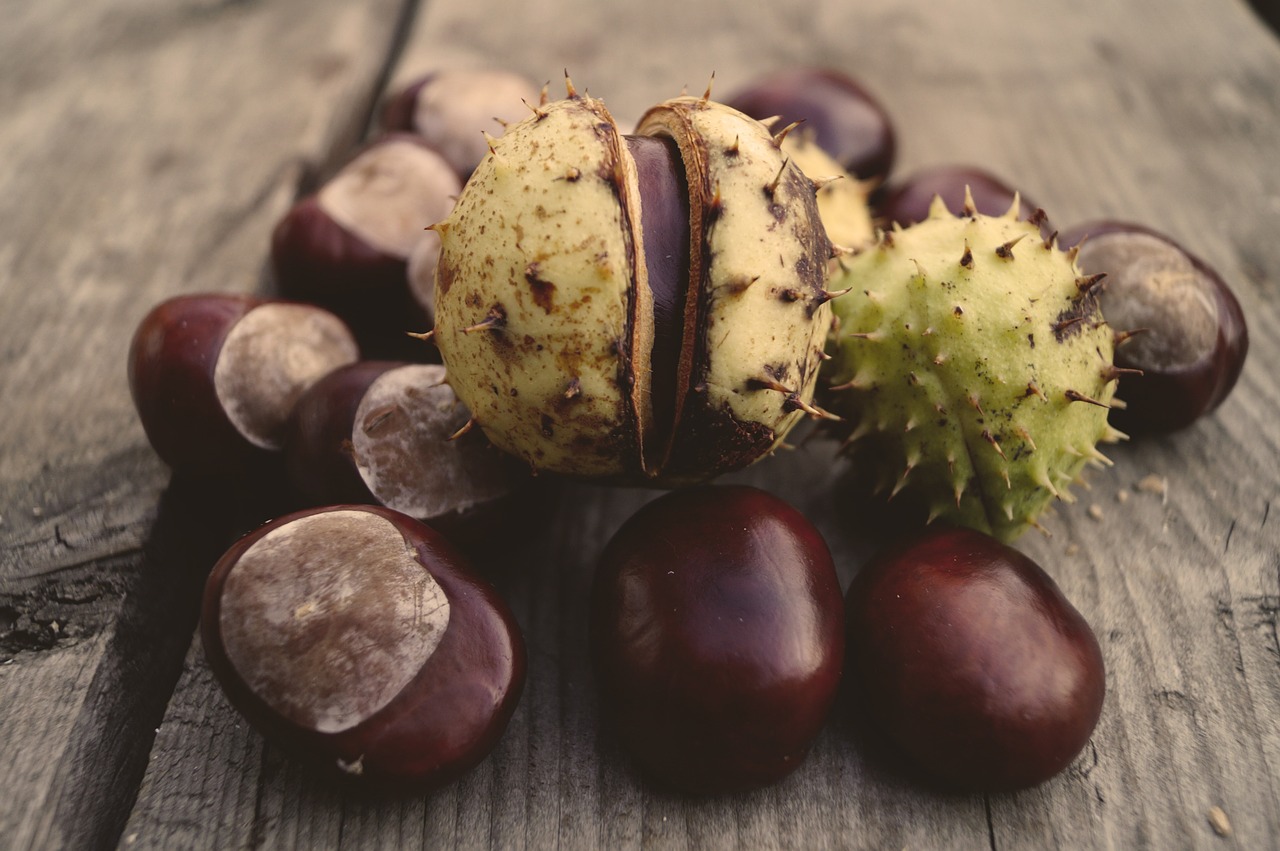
(1096, 111)
(148, 150)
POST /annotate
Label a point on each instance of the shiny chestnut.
(394, 434)
(214, 377)
(358, 639)
(972, 663)
(1192, 338)
(360, 245)
(717, 634)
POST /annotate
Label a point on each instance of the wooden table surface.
(148, 147)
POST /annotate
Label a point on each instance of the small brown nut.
(214, 377)
(453, 109)
(389, 433)
(358, 639)
(348, 247)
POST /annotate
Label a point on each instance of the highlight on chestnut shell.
(1181, 332)
(359, 640)
(716, 628)
(968, 657)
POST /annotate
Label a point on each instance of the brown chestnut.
(907, 201)
(845, 120)
(1193, 338)
(348, 246)
(358, 639)
(453, 109)
(388, 433)
(972, 662)
(717, 634)
(214, 377)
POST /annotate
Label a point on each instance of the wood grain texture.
(1164, 113)
(142, 158)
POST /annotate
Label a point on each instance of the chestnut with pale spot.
(387, 433)
(1191, 338)
(215, 376)
(357, 638)
(453, 109)
(350, 246)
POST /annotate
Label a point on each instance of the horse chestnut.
(971, 660)
(214, 377)
(348, 246)
(716, 627)
(357, 638)
(645, 308)
(1193, 338)
(453, 109)
(387, 433)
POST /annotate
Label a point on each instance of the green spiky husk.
(973, 374)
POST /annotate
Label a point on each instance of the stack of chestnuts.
(658, 318)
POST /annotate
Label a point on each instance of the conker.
(972, 662)
(387, 433)
(1192, 338)
(348, 246)
(717, 633)
(453, 109)
(842, 116)
(907, 202)
(214, 377)
(358, 639)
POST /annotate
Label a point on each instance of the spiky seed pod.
(645, 308)
(974, 368)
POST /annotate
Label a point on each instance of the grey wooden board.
(1166, 113)
(143, 156)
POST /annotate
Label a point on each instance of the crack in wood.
(991, 827)
(362, 121)
(98, 777)
(1178, 701)
(58, 612)
(261, 818)
(1268, 608)
(294, 170)
(1227, 622)
(90, 512)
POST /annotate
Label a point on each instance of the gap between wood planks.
(98, 778)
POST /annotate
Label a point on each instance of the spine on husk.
(972, 367)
